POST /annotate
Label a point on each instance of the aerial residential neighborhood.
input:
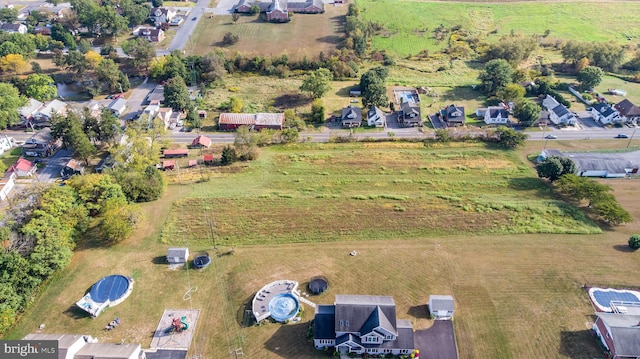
(314, 178)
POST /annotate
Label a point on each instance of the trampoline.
(202, 261)
(608, 300)
(318, 285)
(107, 292)
(284, 307)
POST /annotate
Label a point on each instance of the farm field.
(409, 27)
(517, 295)
(305, 35)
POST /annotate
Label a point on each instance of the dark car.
(194, 18)
(622, 135)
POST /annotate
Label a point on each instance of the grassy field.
(581, 20)
(517, 296)
(305, 35)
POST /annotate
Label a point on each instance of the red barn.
(619, 334)
(258, 121)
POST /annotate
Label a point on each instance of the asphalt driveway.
(54, 165)
(437, 342)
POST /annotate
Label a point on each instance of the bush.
(634, 241)
(230, 39)
(141, 186)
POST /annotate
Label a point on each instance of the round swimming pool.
(110, 288)
(284, 307)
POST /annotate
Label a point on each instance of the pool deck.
(177, 341)
(260, 304)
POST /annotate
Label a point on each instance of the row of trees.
(561, 172)
(41, 227)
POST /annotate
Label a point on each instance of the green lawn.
(406, 21)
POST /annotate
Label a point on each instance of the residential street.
(183, 33)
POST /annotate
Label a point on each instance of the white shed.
(177, 255)
(441, 307)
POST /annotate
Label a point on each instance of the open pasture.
(410, 24)
(304, 35)
(326, 192)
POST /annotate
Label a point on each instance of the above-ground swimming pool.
(284, 307)
(107, 292)
(606, 299)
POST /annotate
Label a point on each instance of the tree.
(157, 3)
(119, 221)
(245, 144)
(317, 111)
(174, 66)
(8, 47)
(290, 135)
(13, 63)
(443, 135)
(141, 52)
(317, 83)
(634, 241)
(110, 75)
(372, 85)
(590, 77)
(212, 67)
(35, 67)
(96, 190)
(108, 126)
(8, 15)
(40, 87)
(527, 112)
(513, 49)
(255, 9)
(93, 59)
(229, 156)
(176, 94)
(495, 76)
(141, 186)
(80, 143)
(511, 92)
(235, 17)
(235, 105)
(11, 101)
(510, 138)
(554, 167)
(229, 38)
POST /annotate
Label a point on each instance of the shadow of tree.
(419, 311)
(623, 248)
(291, 100)
(159, 260)
(579, 344)
(331, 39)
(74, 312)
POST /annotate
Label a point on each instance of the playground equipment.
(112, 324)
(178, 325)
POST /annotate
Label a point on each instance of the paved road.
(54, 166)
(183, 33)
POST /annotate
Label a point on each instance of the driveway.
(54, 165)
(437, 342)
(587, 121)
(138, 94)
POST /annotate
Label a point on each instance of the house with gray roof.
(558, 113)
(619, 334)
(49, 109)
(605, 114)
(14, 28)
(496, 115)
(117, 106)
(27, 111)
(376, 117)
(362, 324)
(409, 114)
(441, 307)
(453, 115)
(351, 117)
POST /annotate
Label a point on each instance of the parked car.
(622, 135)
(194, 19)
(117, 96)
(551, 137)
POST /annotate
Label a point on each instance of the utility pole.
(631, 138)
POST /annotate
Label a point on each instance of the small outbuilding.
(176, 255)
(441, 307)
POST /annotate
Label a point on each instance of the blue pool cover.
(110, 288)
(283, 307)
(604, 297)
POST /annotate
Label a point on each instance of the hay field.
(406, 21)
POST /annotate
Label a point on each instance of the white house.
(27, 111)
(151, 110)
(558, 113)
(375, 117)
(46, 112)
(6, 143)
(14, 28)
(76, 346)
(177, 255)
(118, 106)
(7, 182)
(68, 344)
(161, 15)
(605, 114)
(496, 115)
(441, 307)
